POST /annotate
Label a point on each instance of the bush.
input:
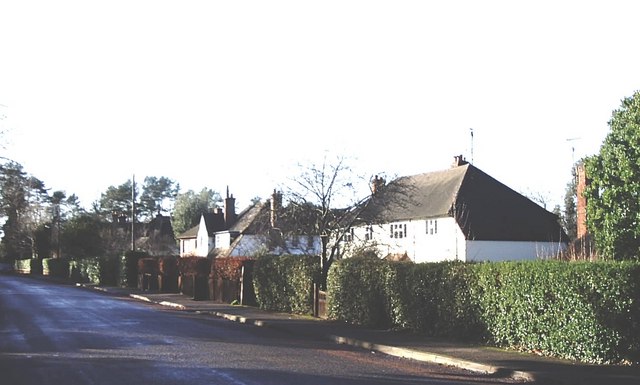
(22, 266)
(356, 291)
(56, 267)
(581, 310)
(197, 266)
(96, 270)
(285, 283)
(228, 268)
(128, 273)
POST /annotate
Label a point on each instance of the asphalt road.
(58, 334)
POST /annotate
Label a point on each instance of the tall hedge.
(56, 267)
(356, 291)
(580, 310)
(285, 283)
(129, 268)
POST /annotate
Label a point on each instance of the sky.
(240, 93)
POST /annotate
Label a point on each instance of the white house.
(223, 233)
(456, 214)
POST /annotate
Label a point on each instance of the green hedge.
(97, 270)
(22, 266)
(56, 267)
(128, 272)
(583, 311)
(285, 283)
(356, 291)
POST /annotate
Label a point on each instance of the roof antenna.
(471, 131)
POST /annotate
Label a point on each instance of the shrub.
(128, 274)
(56, 267)
(580, 310)
(22, 266)
(228, 268)
(285, 283)
(148, 265)
(196, 266)
(356, 291)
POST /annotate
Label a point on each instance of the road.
(59, 334)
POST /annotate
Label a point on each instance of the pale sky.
(236, 93)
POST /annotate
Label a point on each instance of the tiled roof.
(484, 208)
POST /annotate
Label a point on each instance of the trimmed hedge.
(285, 283)
(229, 268)
(56, 267)
(128, 272)
(197, 266)
(22, 266)
(97, 270)
(583, 311)
(357, 291)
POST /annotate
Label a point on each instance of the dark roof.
(160, 225)
(484, 208)
(213, 221)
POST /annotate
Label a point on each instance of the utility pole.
(133, 213)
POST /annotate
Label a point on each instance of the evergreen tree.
(613, 204)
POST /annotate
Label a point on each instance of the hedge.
(128, 272)
(285, 283)
(196, 266)
(580, 310)
(97, 270)
(56, 267)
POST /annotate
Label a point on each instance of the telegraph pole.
(133, 213)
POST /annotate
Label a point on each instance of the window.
(398, 231)
(431, 226)
(348, 236)
(368, 235)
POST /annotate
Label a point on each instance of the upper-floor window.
(398, 231)
(432, 226)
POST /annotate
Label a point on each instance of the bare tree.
(324, 199)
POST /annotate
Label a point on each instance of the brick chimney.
(276, 204)
(376, 184)
(458, 160)
(581, 202)
(229, 209)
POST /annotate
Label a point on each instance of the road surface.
(59, 334)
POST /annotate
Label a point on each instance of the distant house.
(223, 233)
(157, 237)
(456, 214)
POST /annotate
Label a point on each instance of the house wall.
(511, 251)
(431, 240)
(205, 242)
(222, 240)
(187, 247)
(441, 239)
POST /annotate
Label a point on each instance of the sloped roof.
(484, 208)
(249, 217)
(213, 221)
(245, 221)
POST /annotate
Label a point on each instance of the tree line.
(39, 223)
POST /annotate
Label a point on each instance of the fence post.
(242, 285)
(316, 299)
